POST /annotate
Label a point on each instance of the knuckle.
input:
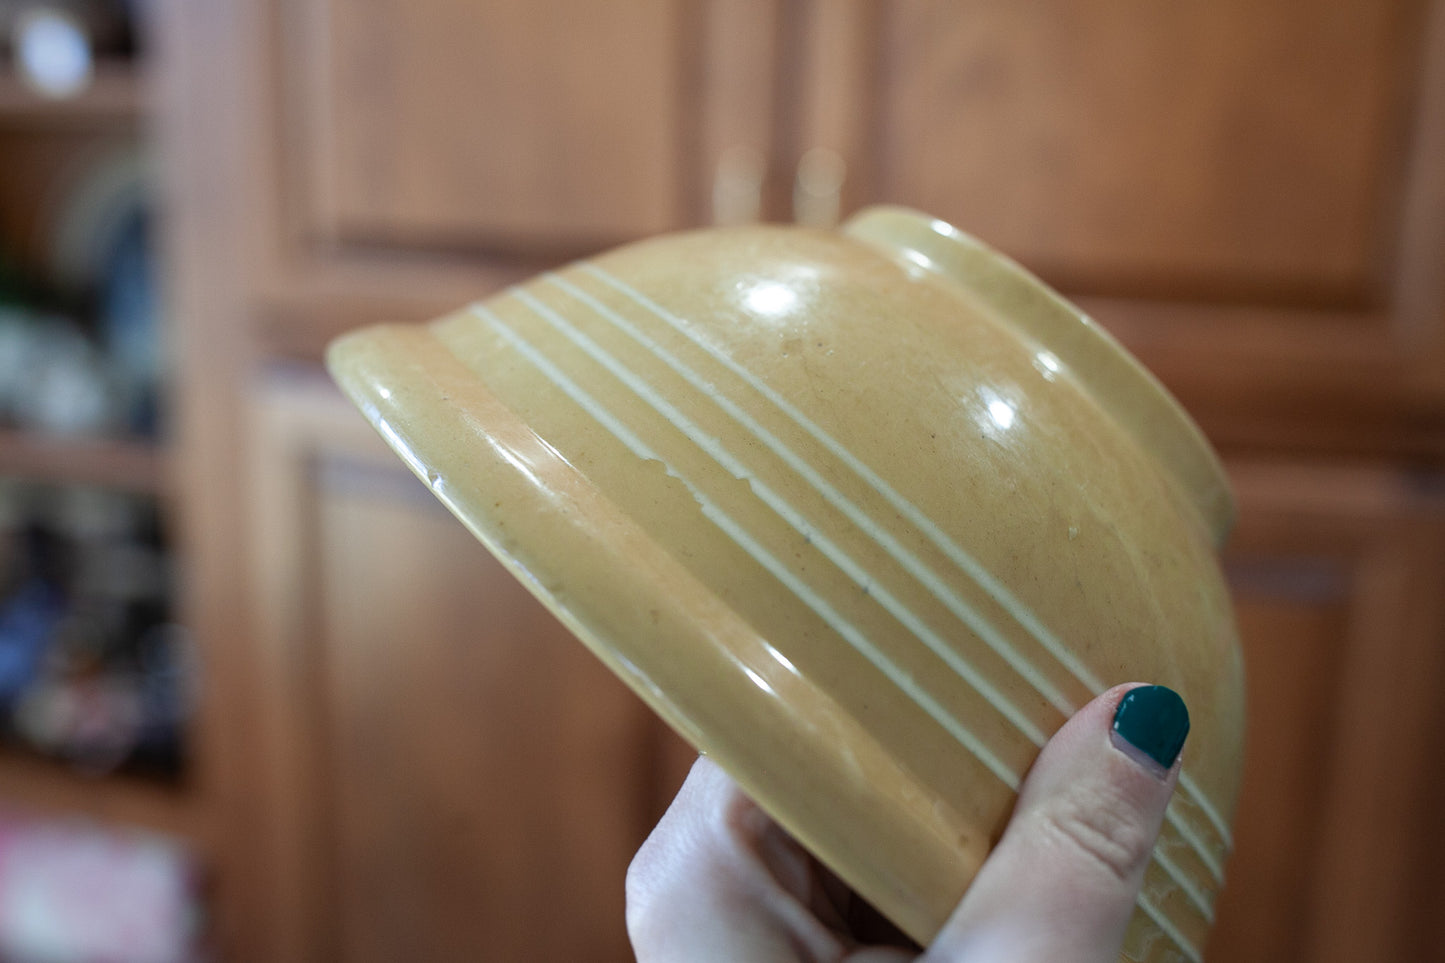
(634, 885)
(638, 890)
(1102, 832)
(692, 842)
(659, 868)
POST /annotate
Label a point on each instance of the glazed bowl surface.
(865, 515)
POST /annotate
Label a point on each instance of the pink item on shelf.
(75, 893)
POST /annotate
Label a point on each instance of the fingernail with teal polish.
(1152, 721)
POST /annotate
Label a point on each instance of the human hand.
(719, 882)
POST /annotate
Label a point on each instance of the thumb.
(1062, 882)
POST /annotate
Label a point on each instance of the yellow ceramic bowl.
(864, 515)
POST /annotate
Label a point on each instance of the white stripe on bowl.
(740, 536)
(915, 567)
(790, 515)
(930, 529)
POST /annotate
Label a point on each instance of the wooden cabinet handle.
(818, 188)
(737, 186)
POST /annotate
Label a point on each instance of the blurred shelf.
(130, 465)
(116, 96)
(46, 788)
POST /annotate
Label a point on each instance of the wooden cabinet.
(497, 125)
(1132, 148)
(418, 762)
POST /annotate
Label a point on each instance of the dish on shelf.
(864, 515)
(93, 671)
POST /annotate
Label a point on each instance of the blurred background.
(262, 699)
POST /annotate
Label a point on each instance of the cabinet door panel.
(1293, 649)
(483, 765)
(1229, 147)
(493, 123)
(1335, 574)
(455, 777)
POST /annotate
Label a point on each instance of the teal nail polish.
(1153, 720)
